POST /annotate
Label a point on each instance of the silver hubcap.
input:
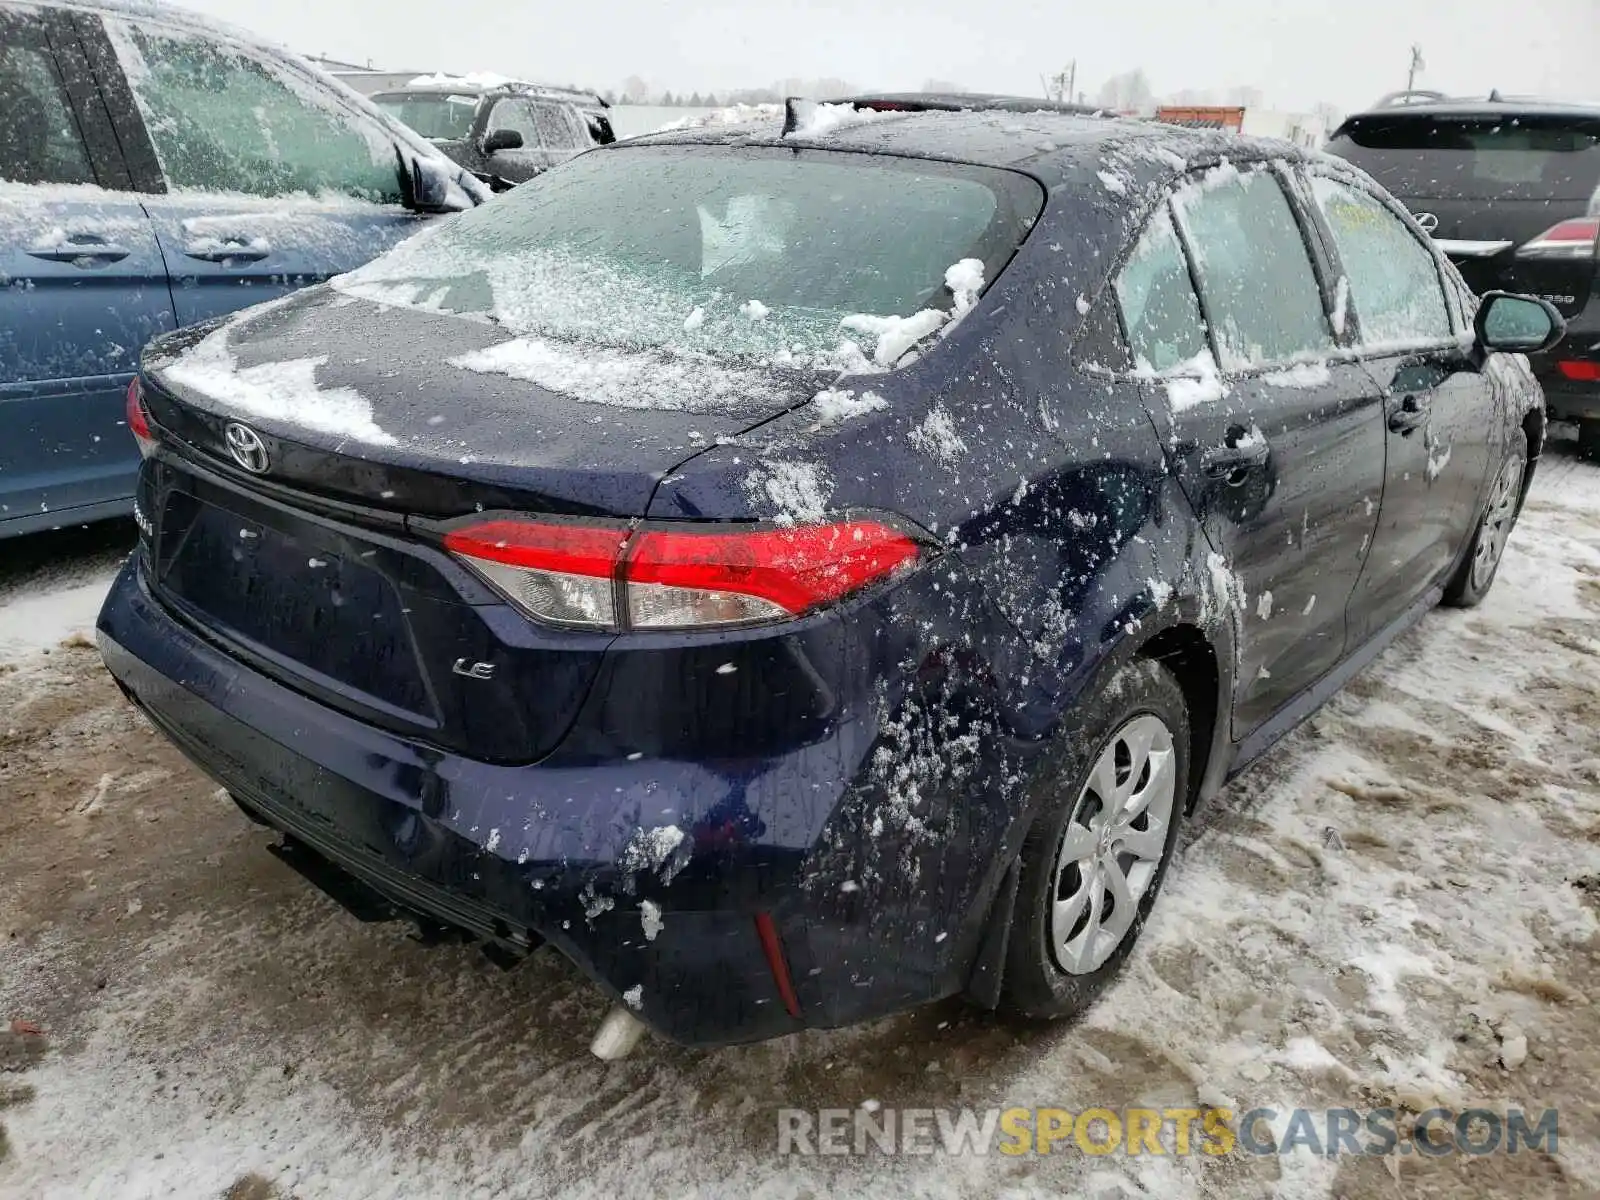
(1113, 845)
(1497, 522)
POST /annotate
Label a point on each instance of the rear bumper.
(1568, 399)
(571, 853)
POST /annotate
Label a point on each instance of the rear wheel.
(1475, 576)
(1094, 860)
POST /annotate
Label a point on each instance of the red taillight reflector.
(139, 419)
(591, 550)
(1583, 372)
(1577, 238)
(675, 577)
(767, 931)
(797, 569)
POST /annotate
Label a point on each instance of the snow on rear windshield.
(666, 247)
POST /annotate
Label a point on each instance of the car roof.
(977, 101)
(1051, 146)
(171, 14)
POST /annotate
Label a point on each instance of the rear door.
(82, 284)
(1442, 425)
(1272, 424)
(1493, 182)
(563, 131)
(261, 177)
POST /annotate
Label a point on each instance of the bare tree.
(1127, 92)
(1328, 115)
(635, 90)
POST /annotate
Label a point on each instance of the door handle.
(88, 253)
(1242, 451)
(1410, 415)
(240, 250)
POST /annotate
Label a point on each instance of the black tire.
(1589, 438)
(1035, 984)
(1476, 572)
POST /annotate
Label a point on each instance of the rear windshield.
(1476, 157)
(442, 117)
(741, 252)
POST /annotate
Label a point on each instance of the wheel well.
(1533, 429)
(1184, 651)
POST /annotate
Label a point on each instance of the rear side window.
(39, 137)
(223, 120)
(1477, 157)
(1259, 286)
(1160, 311)
(561, 127)
(1394, 279)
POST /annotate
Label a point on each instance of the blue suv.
(156, 171)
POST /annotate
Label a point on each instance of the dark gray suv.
(1509, 188)
(504, 133)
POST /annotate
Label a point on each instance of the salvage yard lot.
(1376, 915)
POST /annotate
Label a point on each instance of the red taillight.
(559, 573)
(1577, 238)
(674, 577)
(139, 420)
(1582, 372)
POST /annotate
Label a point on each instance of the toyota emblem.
(1428, 221)
(247, 448)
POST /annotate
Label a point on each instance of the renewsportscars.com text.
(871, 1129)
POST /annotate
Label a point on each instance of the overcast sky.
(1297, 52)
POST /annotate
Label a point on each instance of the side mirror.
(429, 188)
(1517, 324)
(502, 139)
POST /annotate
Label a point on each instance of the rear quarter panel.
(1062, 544)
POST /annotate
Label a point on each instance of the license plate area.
(304, 602)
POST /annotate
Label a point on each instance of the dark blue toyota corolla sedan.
(802, 574)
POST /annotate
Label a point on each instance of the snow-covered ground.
(1378, 913)
(51, 585)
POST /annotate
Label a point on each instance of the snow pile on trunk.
(835, 406)
(621, 379)
(280, 391)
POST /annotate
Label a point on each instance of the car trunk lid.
(309, 544)
(363, 402)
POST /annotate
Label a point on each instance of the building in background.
(365, 80)
(1303, 129)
